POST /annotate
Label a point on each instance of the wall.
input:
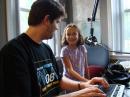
(9, 26)
(3, 35)
(82, 10)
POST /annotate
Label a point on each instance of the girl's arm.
(71, 71)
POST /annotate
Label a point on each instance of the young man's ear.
(46, 19)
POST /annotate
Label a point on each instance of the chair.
(60, 65)
(98, 60)
(61, 70)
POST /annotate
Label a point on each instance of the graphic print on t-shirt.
(48, 78)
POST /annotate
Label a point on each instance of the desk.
(126, 65)
(127, 91)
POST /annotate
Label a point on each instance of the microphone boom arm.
(92, 39)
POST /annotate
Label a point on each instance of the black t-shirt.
(29, 69)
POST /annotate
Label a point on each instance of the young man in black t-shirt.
(28, 66)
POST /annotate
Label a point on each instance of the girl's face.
(72, 36)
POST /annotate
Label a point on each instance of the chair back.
(60, 65)
(98, 59)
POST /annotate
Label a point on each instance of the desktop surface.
(127, 91)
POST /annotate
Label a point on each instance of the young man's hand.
(89, 91)
(95, 81)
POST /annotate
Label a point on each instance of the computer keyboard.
(115, 90)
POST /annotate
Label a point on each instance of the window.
(24, 8)
(121, 25)
(126, 25)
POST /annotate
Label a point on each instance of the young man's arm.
(69, 84)
(87, 90)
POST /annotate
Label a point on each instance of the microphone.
(92, 40)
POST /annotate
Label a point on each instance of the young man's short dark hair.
(41, 8)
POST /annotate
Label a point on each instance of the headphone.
(116, 73)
